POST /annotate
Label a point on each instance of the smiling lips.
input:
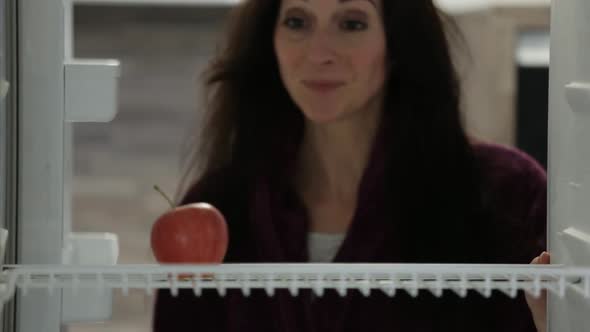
(323, 86)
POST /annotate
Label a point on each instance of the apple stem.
(164, 195)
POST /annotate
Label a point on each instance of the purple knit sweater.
(519, 188)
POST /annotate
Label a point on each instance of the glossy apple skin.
(190, 234)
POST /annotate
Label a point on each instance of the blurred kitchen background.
(163, 50)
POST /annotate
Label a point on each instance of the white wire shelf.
(388, 278)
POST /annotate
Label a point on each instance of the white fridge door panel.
(41, 164)
(54, 90)
(569, 151)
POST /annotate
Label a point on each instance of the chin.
(323, 115)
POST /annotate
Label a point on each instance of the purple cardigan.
(519, 184)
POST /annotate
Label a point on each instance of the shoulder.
(515, 195)
(509, 166)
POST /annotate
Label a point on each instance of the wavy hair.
(432, 174)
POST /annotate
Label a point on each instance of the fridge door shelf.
(460, 279)
(578, 96)
(91, 90)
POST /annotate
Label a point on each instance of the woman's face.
(332, 56)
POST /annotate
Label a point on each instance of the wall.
(116, 164)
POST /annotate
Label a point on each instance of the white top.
(322, 247)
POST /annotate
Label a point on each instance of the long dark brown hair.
(432, 174)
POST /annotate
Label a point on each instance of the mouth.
(323, 86)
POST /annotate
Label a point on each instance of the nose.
(320, 51)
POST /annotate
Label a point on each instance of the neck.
(333, 157)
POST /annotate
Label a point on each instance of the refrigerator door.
(55, 90)
(7, 144)
(41, 154)
(569, 153)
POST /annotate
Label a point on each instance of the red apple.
(192, 233)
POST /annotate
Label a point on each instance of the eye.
(294, 23)
(353, 25)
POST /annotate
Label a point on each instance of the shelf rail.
(343, 278)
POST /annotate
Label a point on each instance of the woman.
(334, 134)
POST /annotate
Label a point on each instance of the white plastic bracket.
(88, 305)
(578, 96)
(4, 85)
(577, 250)
(577, 245)
(91, 90)
(3, 239)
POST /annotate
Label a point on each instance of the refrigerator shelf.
(388, 278)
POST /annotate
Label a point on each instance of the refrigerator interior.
(49, 231)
